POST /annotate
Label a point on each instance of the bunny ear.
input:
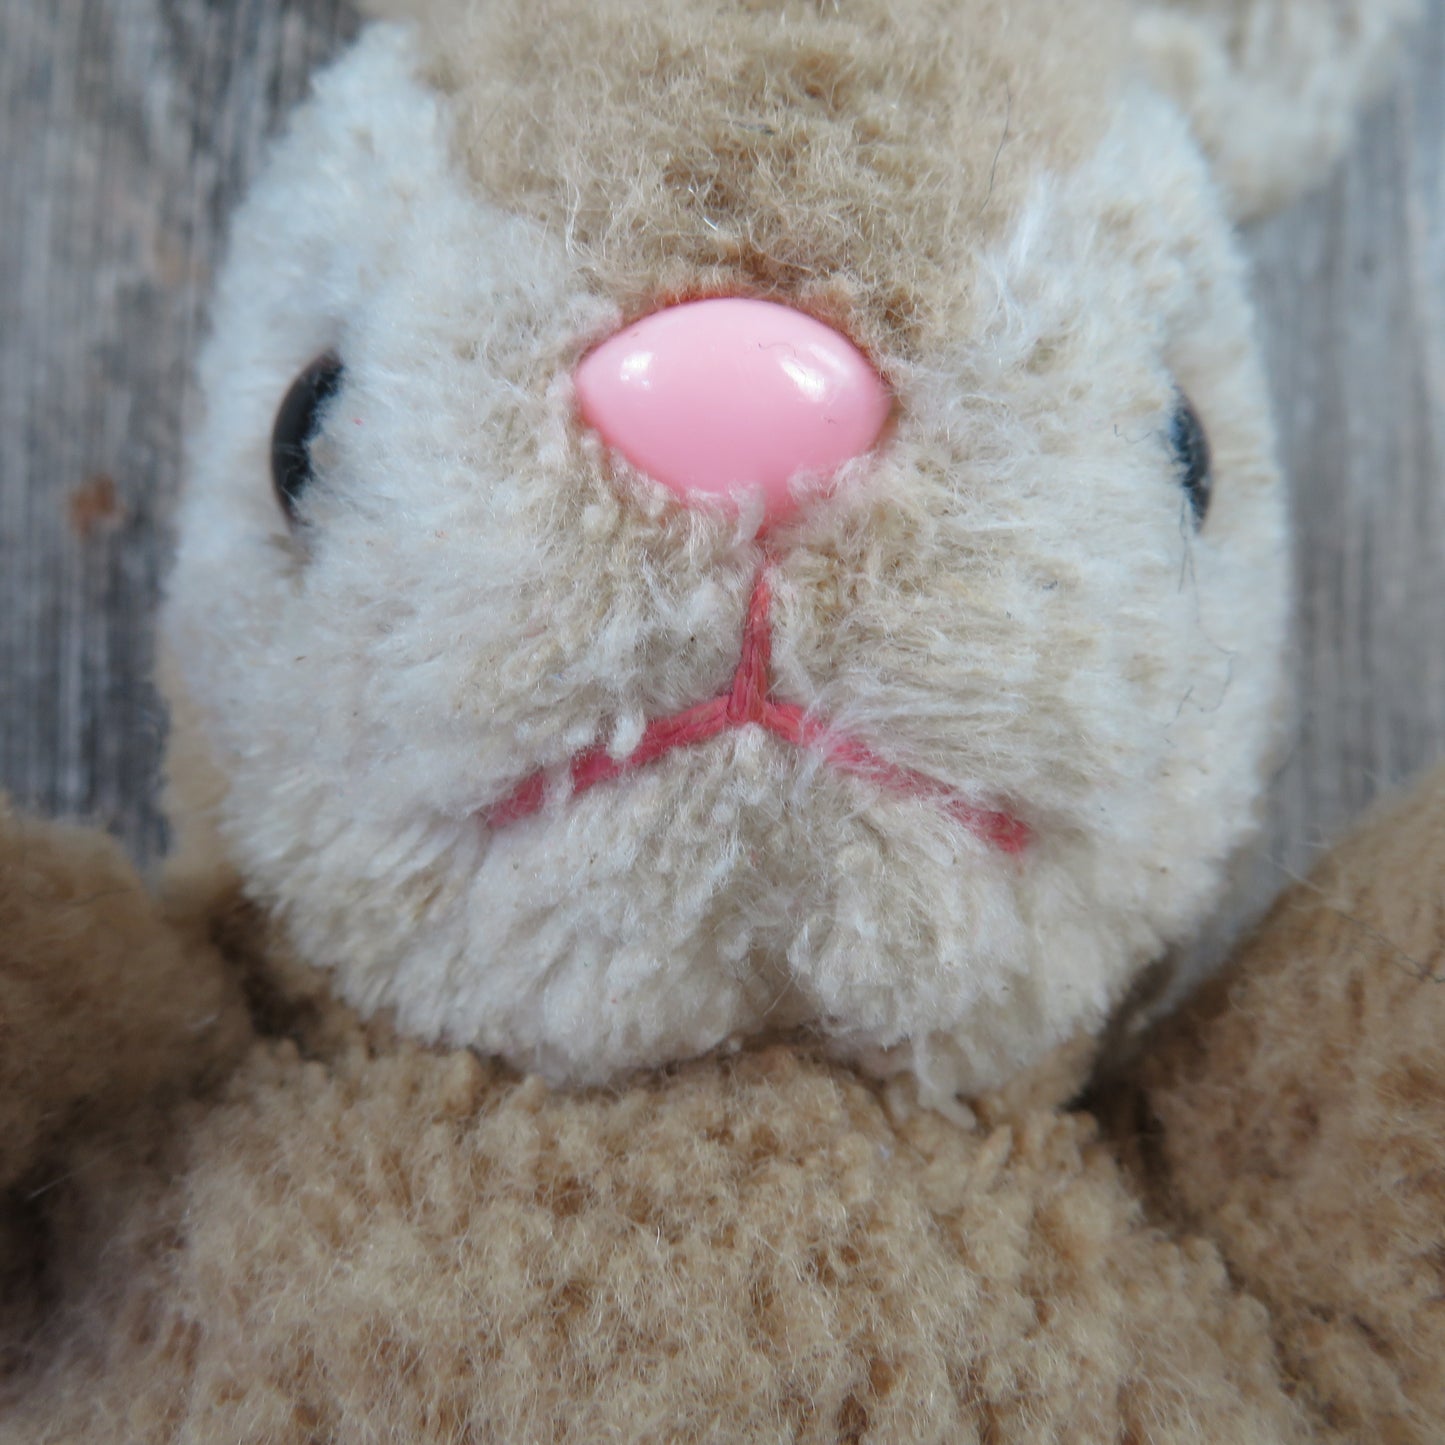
(1273, 87)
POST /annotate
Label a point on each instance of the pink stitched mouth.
(747, 703)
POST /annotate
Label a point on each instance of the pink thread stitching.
(748, 702)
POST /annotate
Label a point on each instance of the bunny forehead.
(838, 151)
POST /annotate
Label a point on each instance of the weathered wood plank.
(127, 128)
(1351, 288)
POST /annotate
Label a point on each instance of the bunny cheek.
(931, 767)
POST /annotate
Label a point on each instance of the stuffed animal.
(728, 613)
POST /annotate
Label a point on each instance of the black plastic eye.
(297, 423)
(1191, 454)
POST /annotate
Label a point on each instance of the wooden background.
(127, 127)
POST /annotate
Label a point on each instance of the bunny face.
(555, 766)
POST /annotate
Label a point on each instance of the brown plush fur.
(1300, 1112)
(798, 185)
(85, 957)
(365, 1240)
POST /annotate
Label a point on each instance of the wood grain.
(127, 129)
(1351, 293)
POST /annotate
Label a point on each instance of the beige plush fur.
(731, 1101)
(1009, 597)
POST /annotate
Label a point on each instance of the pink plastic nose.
(721, 398)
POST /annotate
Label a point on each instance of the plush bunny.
(728, 612)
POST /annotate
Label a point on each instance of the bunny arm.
(1296, 1114)
(1273, 86)
(104, 999)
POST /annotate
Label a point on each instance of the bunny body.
(720, 1099)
